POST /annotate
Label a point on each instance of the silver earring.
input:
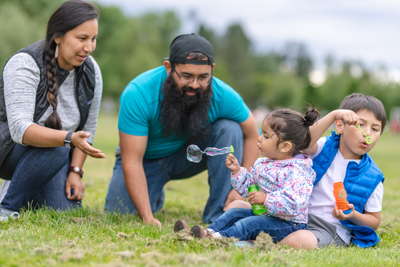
(56, 53)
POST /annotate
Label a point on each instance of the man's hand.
(232, 164)
(338, 214)
(257, 198)
(233, 195)
(152, 221)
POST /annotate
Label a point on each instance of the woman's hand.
(74, 182)
(232, 163)
(257, 198)
(78, 139)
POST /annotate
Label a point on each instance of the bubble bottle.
(257, 208)
(341, 196)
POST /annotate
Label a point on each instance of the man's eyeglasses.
(185, 79)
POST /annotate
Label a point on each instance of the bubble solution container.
(341, 196)
(257, 208)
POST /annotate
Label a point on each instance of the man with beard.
(164, 110)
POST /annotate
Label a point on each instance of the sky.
(357, 30)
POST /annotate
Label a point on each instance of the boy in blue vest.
(343, 157)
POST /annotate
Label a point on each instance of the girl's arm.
(243, 179)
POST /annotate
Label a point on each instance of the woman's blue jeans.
(244, 224)
(223, 133)
(38, 178)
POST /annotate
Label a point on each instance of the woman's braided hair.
(68, 16)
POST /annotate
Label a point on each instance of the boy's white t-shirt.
(322, 201)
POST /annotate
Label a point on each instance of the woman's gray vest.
(85, 84)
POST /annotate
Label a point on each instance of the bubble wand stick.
(368, 139)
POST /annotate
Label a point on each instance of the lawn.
(90, 237)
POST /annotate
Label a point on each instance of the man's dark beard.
(181, 115)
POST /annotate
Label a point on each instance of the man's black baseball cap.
(184, 44)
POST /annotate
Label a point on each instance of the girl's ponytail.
(311, 116)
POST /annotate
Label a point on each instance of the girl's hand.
(347, 116)
(74, 182)
(338, 214)
(257, 198)
(78, 139)
(232, 163)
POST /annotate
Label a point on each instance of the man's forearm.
(136, 184)
(250, 152)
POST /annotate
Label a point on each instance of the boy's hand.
(232, 163)
(347, 116)
(338, 214)
(257, 198)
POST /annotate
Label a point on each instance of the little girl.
(285, 178)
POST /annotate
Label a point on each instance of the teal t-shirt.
(140, 105)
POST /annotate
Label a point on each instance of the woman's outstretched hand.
(78, 139)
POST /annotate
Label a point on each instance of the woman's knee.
(303, 239)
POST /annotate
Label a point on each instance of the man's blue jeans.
(244, 224)
(222, 133)
(38, 177)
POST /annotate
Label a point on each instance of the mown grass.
(90, 237)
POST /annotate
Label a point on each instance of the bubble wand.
(194, 153)
(368, 139)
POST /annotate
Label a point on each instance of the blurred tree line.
(127, 46)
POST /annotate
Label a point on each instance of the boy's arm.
(319, 128)
(370, 219)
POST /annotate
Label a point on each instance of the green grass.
(90, 237)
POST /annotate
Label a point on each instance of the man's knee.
(301, 239)
(227, 127)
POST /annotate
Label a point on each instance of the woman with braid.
(50, 94)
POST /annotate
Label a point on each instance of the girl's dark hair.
(357, 101)
(68, 16)
(289, 125)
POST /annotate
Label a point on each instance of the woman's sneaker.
(5, 214)
(181, 225)
(198, 231)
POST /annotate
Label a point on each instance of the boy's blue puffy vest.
(360, 181)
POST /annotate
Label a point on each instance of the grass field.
(89, 237)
